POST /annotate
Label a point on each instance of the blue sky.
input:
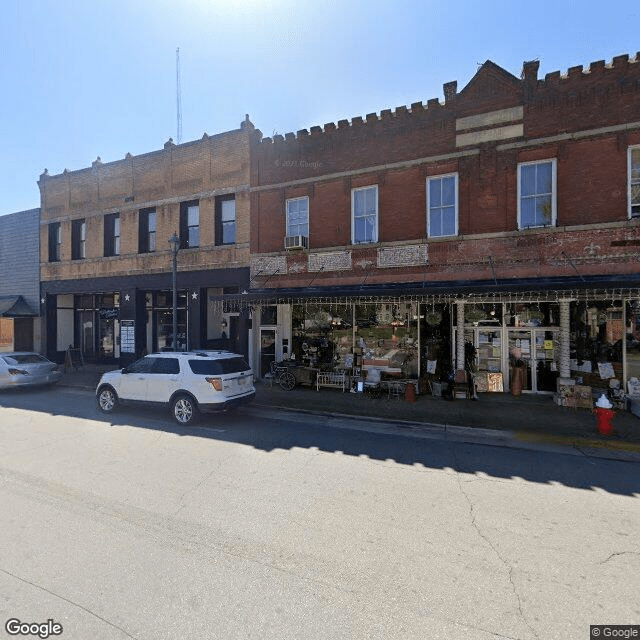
(81, 79)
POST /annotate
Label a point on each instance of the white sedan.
(24, 368)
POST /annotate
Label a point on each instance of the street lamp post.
(174, 241)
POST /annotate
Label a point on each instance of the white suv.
(188, 382)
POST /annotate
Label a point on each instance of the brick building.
(106, 260)
(19, 281)
(503, 221)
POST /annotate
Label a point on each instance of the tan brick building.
(106, 260)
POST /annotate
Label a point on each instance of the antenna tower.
(178, 99)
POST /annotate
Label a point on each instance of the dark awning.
(15, 306)
(516, 289)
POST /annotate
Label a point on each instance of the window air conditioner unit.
(296, 242)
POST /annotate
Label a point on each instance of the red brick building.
(506, 217)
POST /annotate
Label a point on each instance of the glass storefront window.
(483, 314)
(383, 341)
(435, 340)
(164, 323)
(597, 335)
(269, 315)
(532, 314)
(106, 338)
(632, 338)
(322, 335)
(387, 338)
(85, 329)
(164, 299)
(163, 320)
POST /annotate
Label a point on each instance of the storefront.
(533, 339)
(16, 324)
(502, 337)
(134, 315)
(159, 316)
(96, 330)
(377, 340)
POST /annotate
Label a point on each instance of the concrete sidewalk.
(532, 418)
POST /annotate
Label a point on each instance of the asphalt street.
(268, 525)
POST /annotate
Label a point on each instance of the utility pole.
(174, 241)
(178, 99)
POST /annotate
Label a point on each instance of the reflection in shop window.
(383, 342)
(164, 320)
(632, 338)
(541, 314)
(269, 315)
(597, 334)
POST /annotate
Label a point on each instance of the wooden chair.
(461, 386)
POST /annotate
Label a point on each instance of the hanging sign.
(109, 314)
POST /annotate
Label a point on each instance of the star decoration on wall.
(127, 297)
(194, 295)
(42, 300)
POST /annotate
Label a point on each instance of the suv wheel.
(184, 409)
(107, 399)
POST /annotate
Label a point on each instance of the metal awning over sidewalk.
(15, 307)
(514, 290)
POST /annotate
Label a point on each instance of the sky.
(81, 79)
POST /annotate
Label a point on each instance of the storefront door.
(108, 337)
(267, 350)
(537, 349)
(87, 341)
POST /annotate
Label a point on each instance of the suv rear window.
(218, 367)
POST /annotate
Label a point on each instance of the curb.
(614, 450)
(587, 443)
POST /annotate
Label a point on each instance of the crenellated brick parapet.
(600, 95)
(577, 82)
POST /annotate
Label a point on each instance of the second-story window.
(298, 217)
(112, 234)
(537, 194)
(189, 224)
(147, 231)
(55, 241)
(364, 215)
(78, 239)
(442, 206)
(226, 220)
(634, 182)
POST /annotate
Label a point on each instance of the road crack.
(198, 485)
(493, 548)
(71, 602)
(620, 553)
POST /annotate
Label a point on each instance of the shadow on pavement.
(316, 431)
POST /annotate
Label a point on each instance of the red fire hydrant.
(604, 420)
(410, 392)
(604, 412)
